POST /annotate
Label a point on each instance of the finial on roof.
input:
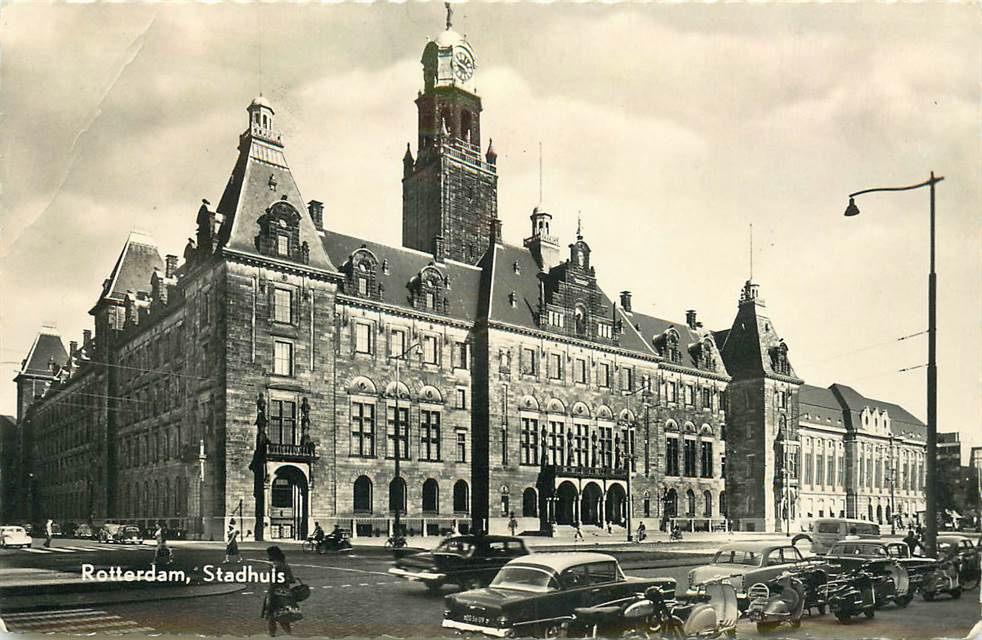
(579, 225)
(449, 15)
(491, 155)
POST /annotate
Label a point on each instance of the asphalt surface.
(353, 595)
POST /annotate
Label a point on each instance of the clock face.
(463, 65)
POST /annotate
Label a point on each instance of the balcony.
(290, 452)
(594, 473)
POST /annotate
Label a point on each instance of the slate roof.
(47, 348)
(260, 178)
(134, 267)
(901, 420)
(820, 405)
(651, 328)
(746, 350)
(403, 265)
(525, 285)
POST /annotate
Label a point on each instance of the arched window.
(529, 503)
(690, 503)
(461, 497)
(397, 495)
(707, 501)
(363, 495)
(722, 503)
(431, 496)
(282, 495)
(671, 504)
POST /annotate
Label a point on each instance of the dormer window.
(362, 278)
(279, 233)
(427, 290)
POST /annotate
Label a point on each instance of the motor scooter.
(331, 544)
(944, 579)
(852, 593)
(710, 613)
(891, 583)
(779, 601)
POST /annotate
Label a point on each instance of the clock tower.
(450, 190)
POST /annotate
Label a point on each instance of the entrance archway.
(879, 513)
(288, 502)
(590, 504)
(614, 509)
(565, 501)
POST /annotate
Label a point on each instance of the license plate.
(472, 619)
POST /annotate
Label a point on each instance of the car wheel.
(956, 593)
(904, 600)
(843, 616)
(928, 596)
(433, 586)
(869, 612)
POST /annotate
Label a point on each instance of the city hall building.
(278, 371)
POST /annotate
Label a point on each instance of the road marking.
(97, 626)
(69, 620)
(345, 585)
(328, 566)
(59, 550)
(32, 550)
(50, 621)
(383, 583)
(47, 612)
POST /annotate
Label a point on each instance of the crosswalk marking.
(78, 549)
(71, 620)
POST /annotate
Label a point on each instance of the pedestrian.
(578, 533)
(49, 531)
(162, 554)
(641, 531)
(912, 542)
(279, 605)
(512, 523)
(231, 543)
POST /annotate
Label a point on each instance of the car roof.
(477, 538)
(870, 541)
(759, 546)
(558, 561)
(953, 538)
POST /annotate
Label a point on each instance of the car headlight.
(503, 621)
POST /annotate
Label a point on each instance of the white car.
(14, 537)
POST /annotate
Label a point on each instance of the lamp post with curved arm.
(931, 526)
(397, 425)
(631, 455)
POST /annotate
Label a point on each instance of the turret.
(543, 245)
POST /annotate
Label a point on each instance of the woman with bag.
(231, 543)
(280, 604)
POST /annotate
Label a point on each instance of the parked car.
(84, 531)
(14, 536)
(537, 594)
(747, 563)
(880, 557)
(825, 532)
(468, 561)
(969, 569)
(120, 533)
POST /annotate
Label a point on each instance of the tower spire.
(579, 225)
(751, 251)
(449, 15)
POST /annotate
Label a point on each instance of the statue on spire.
(449, 15)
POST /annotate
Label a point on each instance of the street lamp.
(931, 528)
(893, 482)
(397, 425)
(630, 456)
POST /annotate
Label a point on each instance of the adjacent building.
(281, 373)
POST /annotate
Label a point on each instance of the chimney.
(171, 261)
(690, 319)
(316, 210)
(626, 301)
(72, 348)
(86, 337)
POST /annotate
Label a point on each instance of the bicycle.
(309, 545)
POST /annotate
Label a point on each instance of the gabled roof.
(260, 178)
(819, 405)
(134, 267)
(47, 348)
(524, 283)
(853, 403)
(748, 343)
(401, 265)
(651, 328)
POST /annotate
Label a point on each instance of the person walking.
(577, 533)
(512, 523)
(162, 554)
(279, 605)
(912, 542)
(231, 543)
(49, 532)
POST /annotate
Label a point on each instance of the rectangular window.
(707, 398)
(604, 330)
(364, 338)
(461, 398)
(671, 392)
(530, 441)
(808, 469)
(706, 459)
(627, 379)
(529, 364)
(603, 375)
(581, 446)
(282, 358)
(690, 395)
(397, 343)
(460, 355)
(283, 422)
(429, 435)
(430, 352)
(283, 244)
(429, 299)
(461, 446)
(363, 286)
(283, 305)
(689, 458)
(400, 442)
(557, 443)
(579, 371)
(606, 442)
(363, 429)
(830, 471)
(555, 366)
(672, 457)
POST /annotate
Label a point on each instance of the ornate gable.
(278, 235)
(427, 290)
(361, 275)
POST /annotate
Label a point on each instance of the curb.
(117, 596)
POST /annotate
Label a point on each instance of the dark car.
(969, 569)
(881, 556)
(537, 594)
(120, 534)
(467, 561)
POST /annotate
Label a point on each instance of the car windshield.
(456, 546)
(748, 558)
(525, 578)
(898, 550)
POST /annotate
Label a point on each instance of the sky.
(670, 128)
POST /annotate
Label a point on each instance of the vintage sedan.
(12, 536)
(84, 531)
(899, 575)
(537, 594)
(747, 563)
(968, 554)
(120, 533)
(468, 561)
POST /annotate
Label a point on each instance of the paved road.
(353, 595)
